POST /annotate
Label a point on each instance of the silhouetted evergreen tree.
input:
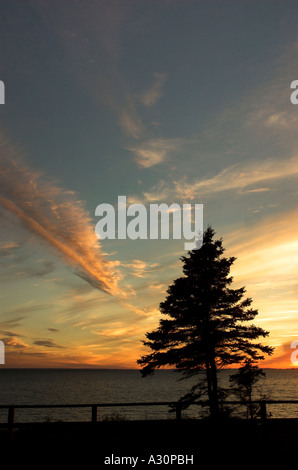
(206, 326)
(244, 386)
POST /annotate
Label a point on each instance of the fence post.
(263, 411)
(94, 413)
(178, 412)
(11, 411)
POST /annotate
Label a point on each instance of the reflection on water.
(35, 386)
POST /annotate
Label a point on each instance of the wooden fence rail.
(177, 407)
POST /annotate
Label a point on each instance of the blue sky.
(161, 101)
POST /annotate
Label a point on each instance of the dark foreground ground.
(155, 443)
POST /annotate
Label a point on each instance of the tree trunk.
(211, 374)
(210, 389)
(214, 387)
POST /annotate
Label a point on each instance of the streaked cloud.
(279, 120)
(139, 268)
(236, 177)
(47, 343)
(155, 151)
(257, 190)
(90, 36)
(131, 124)
(281, 357)
(15, 343)
(267, 264)
(8, 248)
(151, 96)
(57, 218)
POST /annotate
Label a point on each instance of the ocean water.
(70, 386)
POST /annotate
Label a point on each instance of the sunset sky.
(169, 101)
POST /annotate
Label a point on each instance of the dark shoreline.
(204, 439)
(123, 368)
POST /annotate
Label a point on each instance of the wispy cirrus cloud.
(154, 93)
(47, 343)
(267, 263)
(8, 248)
(257, 190)
(57, 218)
(15, 343)
(267, 108)
(280, 120)
(155, 151)
(131, 124)
(139, 268)
(237, 177)
(91, 36)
